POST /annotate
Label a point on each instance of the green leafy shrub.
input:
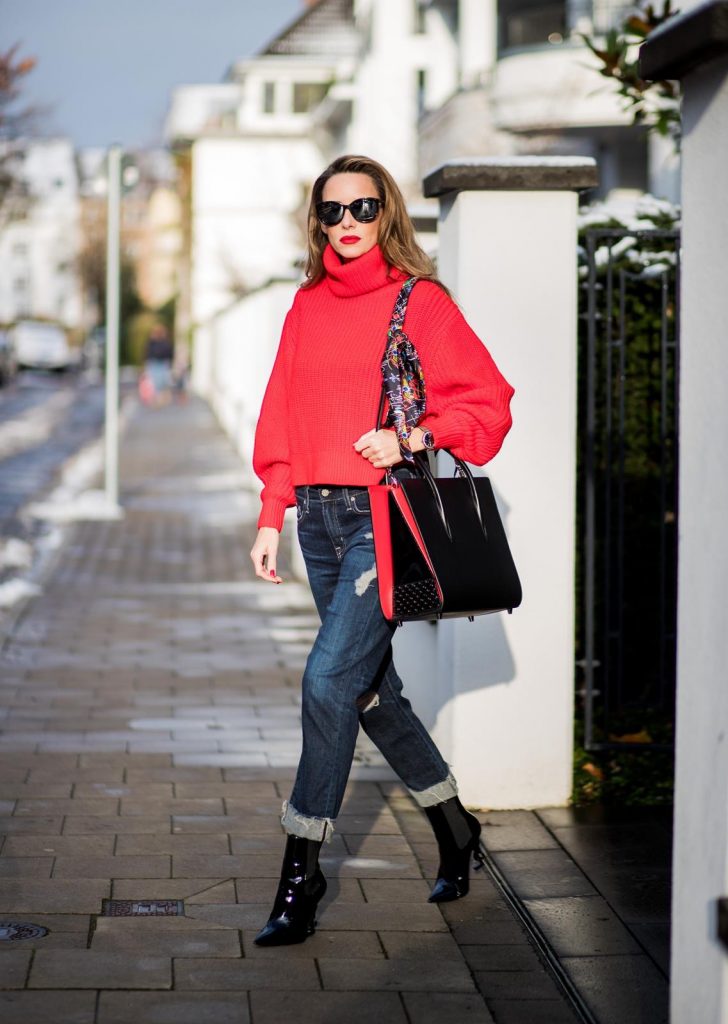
(655, 105)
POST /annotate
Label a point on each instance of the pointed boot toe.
(445, 890)
(281, 931)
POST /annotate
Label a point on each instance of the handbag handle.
(422, 467)
(464, 470)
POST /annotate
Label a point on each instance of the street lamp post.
(111, 432)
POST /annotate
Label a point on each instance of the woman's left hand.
(380, 447)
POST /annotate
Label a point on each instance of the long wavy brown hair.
(396, 231)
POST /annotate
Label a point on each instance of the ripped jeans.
(352, 650)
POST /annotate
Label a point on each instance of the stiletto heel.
(300, 889)
(458, 838)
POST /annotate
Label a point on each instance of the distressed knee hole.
(361, 584)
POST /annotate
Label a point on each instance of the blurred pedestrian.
(315, 449)
(158, 364)
(180, 373)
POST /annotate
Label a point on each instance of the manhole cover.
(14, 931)
(142, 908)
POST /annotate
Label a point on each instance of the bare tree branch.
(15, 121)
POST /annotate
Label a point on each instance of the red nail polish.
(272, 572)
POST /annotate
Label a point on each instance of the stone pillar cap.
(512, 173)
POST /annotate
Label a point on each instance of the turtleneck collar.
(358, 276)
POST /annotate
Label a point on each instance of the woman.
(315, 448)
(158, 364)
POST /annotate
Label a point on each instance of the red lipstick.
(349, 239)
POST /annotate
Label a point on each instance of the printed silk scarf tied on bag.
(404, 385)
(404, 381)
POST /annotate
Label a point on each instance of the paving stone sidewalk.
(150, 730)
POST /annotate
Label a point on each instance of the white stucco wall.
(244, 341)
(234, 358)
(700, 867)
(385, 111)
(498, 692)
(244, 192)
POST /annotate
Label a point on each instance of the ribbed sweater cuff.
(450, 434)
(272, 513)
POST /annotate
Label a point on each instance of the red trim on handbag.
(379, 503)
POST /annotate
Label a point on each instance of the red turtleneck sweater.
(324, 389)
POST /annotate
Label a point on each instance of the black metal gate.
(627, 509)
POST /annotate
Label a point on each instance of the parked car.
(41, 346)
(8, 362)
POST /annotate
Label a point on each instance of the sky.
(106, 68)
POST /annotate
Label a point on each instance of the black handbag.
(440, 546)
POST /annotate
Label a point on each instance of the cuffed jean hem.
(438, 793)
(297, 824)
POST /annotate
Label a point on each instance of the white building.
(247, 172)
(409, 82)
(38, 252)
(346, 76)
(526, 84)
(248, 154)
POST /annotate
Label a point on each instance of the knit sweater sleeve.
(271, 460)
(468, 397)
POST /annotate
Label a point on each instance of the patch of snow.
(17, 589)
(15, 554)
(69, 501)
(652, 204)
(89, 505)
(35, 425)
(656, 270)
(517, 161)
(634, 213)
(606, 253)
(661, 257)
(51, 540)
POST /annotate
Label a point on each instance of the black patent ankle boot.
(458, 837)
(301, 887)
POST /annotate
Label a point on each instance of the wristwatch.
(428, 440)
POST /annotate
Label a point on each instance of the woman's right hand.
(265, 554)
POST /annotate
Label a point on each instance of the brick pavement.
(150, 730)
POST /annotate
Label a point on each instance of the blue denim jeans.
(353, 650)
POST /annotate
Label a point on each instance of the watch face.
(428, 440)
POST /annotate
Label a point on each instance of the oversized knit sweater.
(326, 381)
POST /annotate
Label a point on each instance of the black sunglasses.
(362, 210)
